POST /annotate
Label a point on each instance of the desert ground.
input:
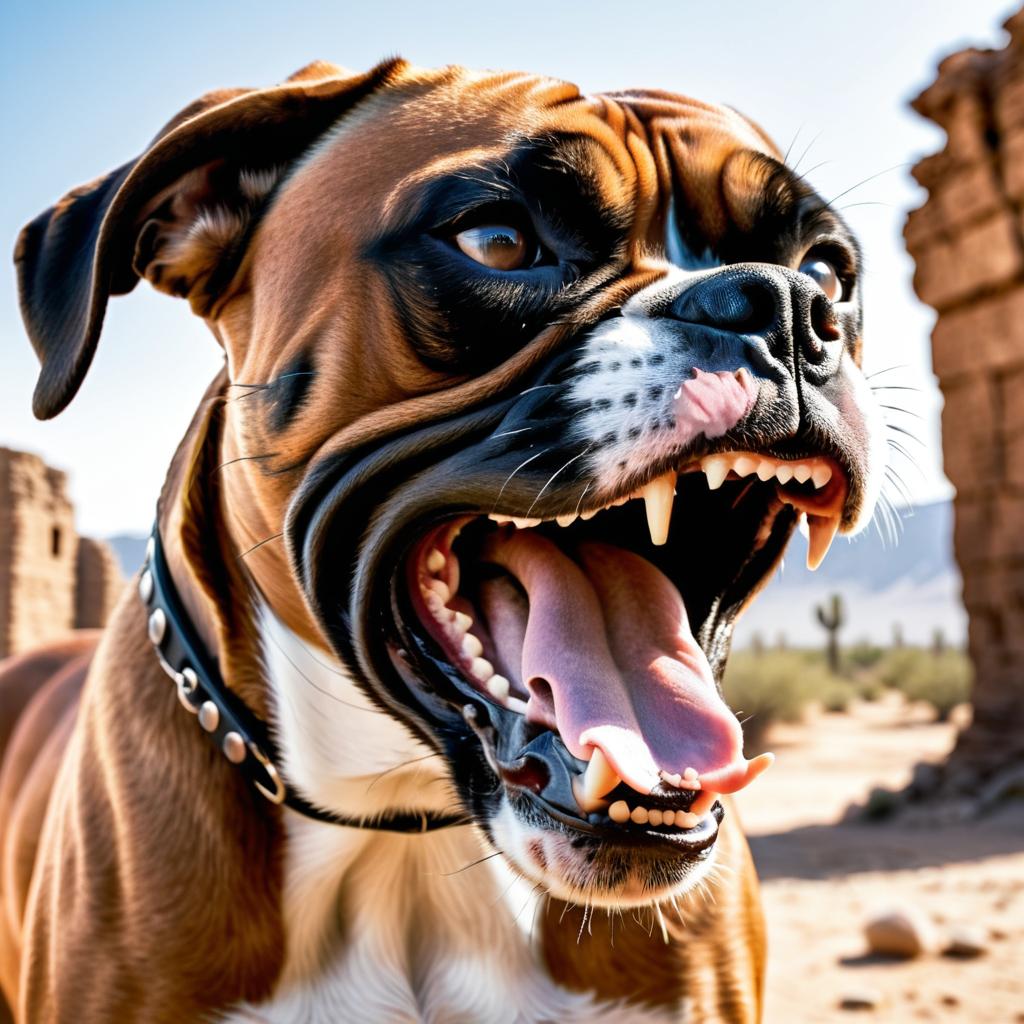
(822, 878)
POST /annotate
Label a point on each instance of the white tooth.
(686, 820)
(588, 515)
(482, 669)
(744, 465)
(498, 687)
(784, 472)
(516, 705)
(821, 531)
(522, 523)
(802, 472)
(716, 469)
(495, 517)
(658, 495)
(690, 775)
(639, 816)
(620, 501)
(471, 646)
(619, 812)
(765, 469)
(566, 520)
(821, 474)
(462, 622)
(440, 588)
(668, 817)
(435, 604)
(600, 777)
(656, 816)
(435, 561)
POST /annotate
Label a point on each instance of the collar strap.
(223, 716)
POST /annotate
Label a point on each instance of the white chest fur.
(381, 927)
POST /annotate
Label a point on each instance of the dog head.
(533, 387)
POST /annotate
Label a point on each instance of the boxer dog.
(524, 393)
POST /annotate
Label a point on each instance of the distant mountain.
(130, 552)
(913, 583)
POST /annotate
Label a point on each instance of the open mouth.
(583, 649)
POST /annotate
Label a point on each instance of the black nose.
(787, 309)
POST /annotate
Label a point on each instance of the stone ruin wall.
(968, 242)
(51, 580)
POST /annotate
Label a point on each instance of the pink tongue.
(609, 661)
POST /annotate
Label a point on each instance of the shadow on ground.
(826, 851)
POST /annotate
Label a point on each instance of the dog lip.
(693, 842)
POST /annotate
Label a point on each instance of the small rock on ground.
(967, 941)
(861, 999)
(903, 932)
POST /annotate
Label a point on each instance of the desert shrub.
(774, 686)
(898, 665)
(942, 680)
(870, 688)
(863, 654)
(835, 694)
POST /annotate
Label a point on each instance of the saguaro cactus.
(833, 619)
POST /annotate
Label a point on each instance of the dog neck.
(393, 927)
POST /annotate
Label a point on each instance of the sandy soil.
(822, 879)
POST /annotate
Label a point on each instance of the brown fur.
(154, 889)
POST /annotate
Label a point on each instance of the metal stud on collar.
(196, 689)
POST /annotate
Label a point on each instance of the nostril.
(761, 310)
(824, 321)
(746, 306)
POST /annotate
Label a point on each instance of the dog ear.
(179, 215)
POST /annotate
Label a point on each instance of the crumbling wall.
(968, 243)
(51, 580)
(98, 583)
(38, 547)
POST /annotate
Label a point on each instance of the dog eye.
(498, 246)
(824, 275)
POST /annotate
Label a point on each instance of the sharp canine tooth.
(702, 804)
(498, 687)
(802, 472)
(744, 465)
(619, 812)
(716, 469)
(566, 520)
(639, 816)
(471, 646)
(600, 777)
(462, 622)
(821, 474)
(784, 472)
(765, 470)
(658, 495)
(821, 531)
(482, 669)
(435, 561)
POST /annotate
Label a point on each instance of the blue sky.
(86, 85)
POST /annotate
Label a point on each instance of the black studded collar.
(241, 736)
